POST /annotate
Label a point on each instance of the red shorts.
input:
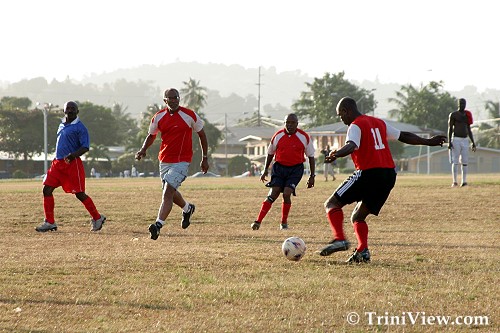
(70, 176)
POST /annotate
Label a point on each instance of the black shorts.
(286, 176)
(371, 186)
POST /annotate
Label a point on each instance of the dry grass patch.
(434, 250)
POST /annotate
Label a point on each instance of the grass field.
(435, 252)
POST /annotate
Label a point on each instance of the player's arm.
(451, 125)
(265, 172)
(71, 156)
(345, 150)
(413, 139)
(204, 149)
(312, 167)
(147, 143)
(471, 138)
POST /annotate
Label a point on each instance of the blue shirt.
(71, 137)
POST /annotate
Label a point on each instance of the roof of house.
(236, 133)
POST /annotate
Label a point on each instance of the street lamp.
(45, 109)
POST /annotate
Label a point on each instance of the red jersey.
(469, 117)
(370, 135)
(291, 148)
(176, 133)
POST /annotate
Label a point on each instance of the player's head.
(347, 110)
(171, 97)
(291, 123)
(461, 103)
(71, 110)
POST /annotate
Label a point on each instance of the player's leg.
(358, 219)
(273, 194)
(97, 218)
(455, 153)
(285, 206)
(187, 209)
(48, 208)
(465, 160)
(50, 182)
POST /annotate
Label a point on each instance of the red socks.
(336, 218)
(285, 209)
(48, 208)
(361, 231)
(89, 205)
(266, 206)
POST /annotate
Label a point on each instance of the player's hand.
(263, 177)
(331, 158)
(204, 165)
(473, 147)
(140, 154)
(450, 145)
(68, 158)
(438, 140)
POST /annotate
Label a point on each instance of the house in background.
(251, 142)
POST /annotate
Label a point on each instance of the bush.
(19, 174)
(238, 165)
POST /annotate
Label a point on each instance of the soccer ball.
(294, 248)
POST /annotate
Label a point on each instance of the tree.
(195, 99)
(238, 165)
(194, 95)
(127, 127)
(320, 102)
(489, 136)
(15, 103)
(103, 127)
(21, 129)
(427, 107)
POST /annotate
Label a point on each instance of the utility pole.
(45, 109)
(225, 143)
(258, 101)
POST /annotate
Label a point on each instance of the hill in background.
(232, 89)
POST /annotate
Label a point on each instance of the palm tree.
(194, 95)
(98, 152)
(491, 135)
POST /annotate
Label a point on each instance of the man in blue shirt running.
(67, 169)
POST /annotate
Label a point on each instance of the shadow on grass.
(20, 302)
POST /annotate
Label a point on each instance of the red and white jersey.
(370, 135)
(176, 133)
(289, 149)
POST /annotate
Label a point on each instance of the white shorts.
(173, 173)
(460, 150)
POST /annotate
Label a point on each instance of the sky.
(405, 42)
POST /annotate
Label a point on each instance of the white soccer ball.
(294, 248)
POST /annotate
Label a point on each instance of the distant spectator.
(458, 130)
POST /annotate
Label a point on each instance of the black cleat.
(356, 256)
(186, 216)
(334, 246)
(154, 229)
(255, 225)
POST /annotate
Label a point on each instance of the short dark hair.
(168, 90)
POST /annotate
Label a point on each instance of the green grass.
(434, 249)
